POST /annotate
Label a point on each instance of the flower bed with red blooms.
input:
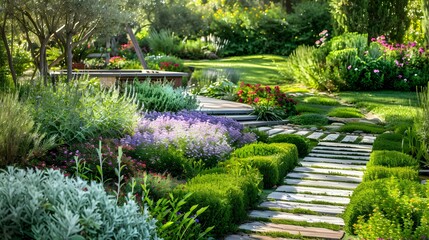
(267, 98)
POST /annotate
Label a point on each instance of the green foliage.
(227, 196)
(162, 97)
(372, 17)
(159, 186)
(171, 221)
(307, 108)
(390, 141)
(163, 42)
(364, 127)
(377, 172)
(285, 153)
(77, 112)
(392, 159)
(345, 112)
(165, 63)
(20, 138)
(47, 205)
(261, 136)
(421, 122)
(394, 206)
(221, 88)
(268, 166)
(300, 142)
(322, 101)
(309, 119)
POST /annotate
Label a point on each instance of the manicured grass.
(322, 100)
(364, 127)
(253, 69)
(395, 108)
(345, 112)
(302, 107)
(309, 119)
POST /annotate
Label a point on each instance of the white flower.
(356, 69)
(405, 80)
(415, 75)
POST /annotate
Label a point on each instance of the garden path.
(315, 194)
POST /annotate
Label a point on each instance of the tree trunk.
(8, 53)
(69, 56)
(136, 47)
(43, 64)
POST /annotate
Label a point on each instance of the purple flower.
(399, 76)
(421, 50)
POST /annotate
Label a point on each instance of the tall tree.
(5, 21)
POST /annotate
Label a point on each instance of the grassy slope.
(253, 69)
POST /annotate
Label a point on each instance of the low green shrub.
(47, 205)
(162, 97)
(228, 197)
(20, 139)
(261, 136)
(268, 166)
(392, 159)
(390, 141)
(393, 206)
(322, 101)
(377, 172)
(300, 142)
(309, 119)
(399, 200)
(285, 153)
(158, 185)
(345, 112)
(307, 108)
(364, 127)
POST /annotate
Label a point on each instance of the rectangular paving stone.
(319, 208)
(319, 183)
(289, 131)
(302, 133)
(314, 190)
(337, 156)
(268, 214)
(349, 139)
(275, 131)
(341, 152)
(333, 160)
(315, 135)
(264, 129)
(324, 177)
(343, 149)
(345, 145)
(368, 140)
(331, 137)
(333, 165)
(329, 171)
(244, 236)
(313, 232)
(307, 198)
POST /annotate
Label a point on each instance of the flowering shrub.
(165, 63)
(116, 62)
(267, 98)
(196, 135)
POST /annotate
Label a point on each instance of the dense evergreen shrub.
(377, 172)
(300, 142)
(400, 202)
(390, 141)
(228, 197)
(47, 205)
(392, 159)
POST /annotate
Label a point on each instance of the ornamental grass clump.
(39, 204)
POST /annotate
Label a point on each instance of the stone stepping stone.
(289, 131)
(268, 214)
(345, 145)
(264, 227)
(342, 152)
(324, 177)
(331, 160)
(264, 129)
(368, 140)
(333, 165)
(314, 190)
(315, 135)
(345, 149)
(302, 133)
(252, 237)
(298, 197)
(275, 131)
(318, 208)
(338, 156)
(329, 171)
(324, 184)
(331, 137)
(349, 139)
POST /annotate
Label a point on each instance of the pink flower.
(421, 50)
(399, 76)
(349, 67)
(376, 71)
(373, 39)
(256, 100)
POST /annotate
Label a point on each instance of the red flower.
(256, 100)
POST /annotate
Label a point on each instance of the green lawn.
(253, 69)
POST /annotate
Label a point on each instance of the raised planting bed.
(110, 77)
